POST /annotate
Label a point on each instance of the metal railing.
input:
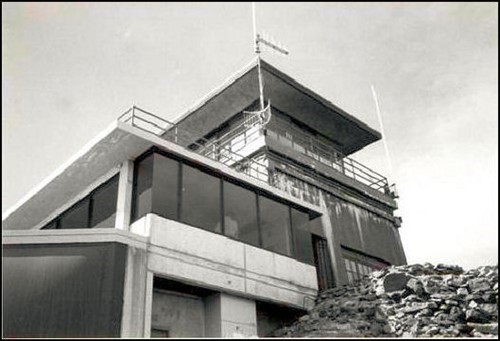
(311, 146)
(149, 122)
(169, 131)
(227, 149)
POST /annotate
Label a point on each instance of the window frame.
(222, 178)
(89, 197)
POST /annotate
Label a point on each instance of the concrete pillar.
(230, 316)
(138, 287)
(331, 231)
(124, 202)
(148, 304)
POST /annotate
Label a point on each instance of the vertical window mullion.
(259, 227)
(222, 213)
(179, 193)
(133, 212)
(292, 234)
(89, 213)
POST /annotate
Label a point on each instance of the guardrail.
(149, 122)
(318, 150)
(169, 131)
(227, 148)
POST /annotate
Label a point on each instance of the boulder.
(485, 328)
(478, 284)
(394, 282)
(477, 316)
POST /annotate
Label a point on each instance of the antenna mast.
(386, 148)
(257, 40)
(257, 52)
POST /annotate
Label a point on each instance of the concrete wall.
(230, 316)
(365, 231)
(135, 293)
(190, 254)
(238, 316)
(181, 314)
(64, 290)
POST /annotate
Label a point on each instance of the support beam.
(124, 204)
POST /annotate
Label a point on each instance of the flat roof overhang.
(119, 142)
(287, 95)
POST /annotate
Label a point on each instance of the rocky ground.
(407, 301)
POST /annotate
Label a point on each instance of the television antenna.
(265, 110)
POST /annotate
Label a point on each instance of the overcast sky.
(69, 69)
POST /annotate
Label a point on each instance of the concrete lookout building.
(225, 223)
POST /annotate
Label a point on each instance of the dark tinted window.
(201, 205)
(240, 214)
(302, 236)
(76, 217)
(104, 205)
(275, 226)
(143, 189)
(165, 188)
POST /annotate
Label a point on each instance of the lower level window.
(96, 210)
(275, 226)
(207, 200)
(359, 265)
(200, 203)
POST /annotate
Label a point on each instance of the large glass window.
(302, 236)
(201, 204)
(165, 189)
(240, 214)
(179, 191)
(104, 205)
(275, 226)
(143, 187)
(77, 217)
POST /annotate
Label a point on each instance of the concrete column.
(124, 202)
(148, 304)
(330, 231)
(230, 316)
(138, 287)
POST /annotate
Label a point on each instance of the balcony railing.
(314, 148)
(228, 149)
(225, 154)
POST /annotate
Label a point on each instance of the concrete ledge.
(96, 235)
(187, 253)
(118, 143)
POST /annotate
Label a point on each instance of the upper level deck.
(237, 143)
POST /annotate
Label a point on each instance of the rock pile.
(407, 301)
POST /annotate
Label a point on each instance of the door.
(323, 263)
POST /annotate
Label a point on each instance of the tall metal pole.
(383, 133)
(257, 52)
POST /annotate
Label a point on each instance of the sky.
(70, 69)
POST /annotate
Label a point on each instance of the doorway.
(323, 263)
